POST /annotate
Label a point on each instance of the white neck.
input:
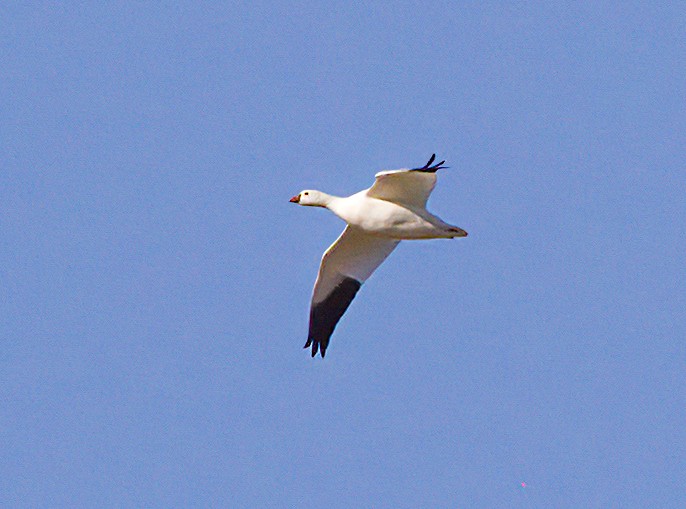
(326, 199)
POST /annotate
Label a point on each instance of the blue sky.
(156, 281)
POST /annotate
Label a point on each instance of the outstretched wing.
(406, 187)
(345, 266)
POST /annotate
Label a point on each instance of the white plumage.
(378, 218)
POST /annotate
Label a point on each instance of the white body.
(387, 219)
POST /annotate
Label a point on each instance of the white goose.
(378, 218)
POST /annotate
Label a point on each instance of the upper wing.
(406, 187)
(345, 266)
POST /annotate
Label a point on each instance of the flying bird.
(378, 218)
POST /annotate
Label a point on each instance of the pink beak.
(295, 199)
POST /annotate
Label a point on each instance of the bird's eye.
(306, 194)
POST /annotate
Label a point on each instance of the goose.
(378, 218)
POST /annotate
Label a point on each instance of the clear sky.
(156, 281)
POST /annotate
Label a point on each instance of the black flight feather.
(431, 169)
(325, 315)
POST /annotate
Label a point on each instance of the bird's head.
(310, 198)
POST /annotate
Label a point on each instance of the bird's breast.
(380, 217)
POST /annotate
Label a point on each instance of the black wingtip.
(428, 168)
(316, 347)
(325, 315)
